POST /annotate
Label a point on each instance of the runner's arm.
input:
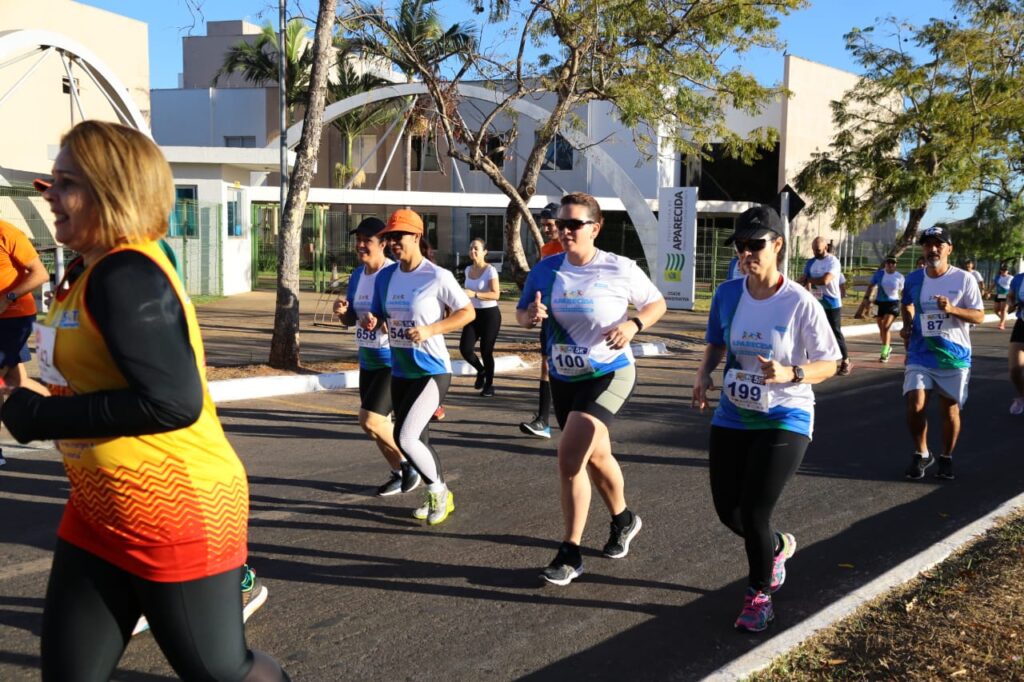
(713, 355)
(143, 324)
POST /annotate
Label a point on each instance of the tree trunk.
(408, 160)
(909, 235)
(284, 344)
(515, 256)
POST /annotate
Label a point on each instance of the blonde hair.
(128, 179)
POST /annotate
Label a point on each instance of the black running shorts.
(887, 308)
(375, 390)
(601, 398)
(1017, 336)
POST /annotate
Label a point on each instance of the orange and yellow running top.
(167, 507)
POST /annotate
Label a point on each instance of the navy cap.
(757, 222)
(550, 212)
(935, 233)
(369, 227)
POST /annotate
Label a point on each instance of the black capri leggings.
(92, 606)
(485, 327)
(749, 469)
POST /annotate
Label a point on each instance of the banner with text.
(675, 274)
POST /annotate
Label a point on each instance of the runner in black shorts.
(888, 286)
(582, 298)
(374, 357)
(1015, 303)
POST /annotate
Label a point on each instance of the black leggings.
(749, 469)
(485, 327)
(415, 401)
(92, 606)
(835, 320)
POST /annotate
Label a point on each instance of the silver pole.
(283, 106)
(784, 209)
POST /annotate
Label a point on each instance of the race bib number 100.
(571, 361)
(746, 390)
(934, 324)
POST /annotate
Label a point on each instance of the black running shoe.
(945, 471)
(488, 391)
(562, 571)
(479, 383)
(410, 477)
(392, 486)
(619, 538)
(918, 465)
(537, 427)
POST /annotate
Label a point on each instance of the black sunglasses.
(751, 245)
(572, 223)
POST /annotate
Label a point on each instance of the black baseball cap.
(757, 222)
(550, 212)
(369, 227)
(934, 233)
(890, 259)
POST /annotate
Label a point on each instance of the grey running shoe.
(392, 486)
(945, 471)
(254, 593)
(561, 571)
(844, 368)
(918, 465)
(410, 477)
(537, 427)
(619, 538)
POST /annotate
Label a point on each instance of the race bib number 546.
(398, 331)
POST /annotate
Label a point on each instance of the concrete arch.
(639, 211)
(21, 41)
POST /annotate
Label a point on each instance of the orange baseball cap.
(41, 185)
(404, 220)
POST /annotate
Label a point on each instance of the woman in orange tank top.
(157, 516)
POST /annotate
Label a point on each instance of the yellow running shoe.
(441, 505)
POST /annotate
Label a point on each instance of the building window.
(490, 228)
(424, 155)
(558, 155)
(239, 141)
(236, 227)
(363, 151)
(65, 85)
(430, 225)
(184, 220)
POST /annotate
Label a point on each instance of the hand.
(620, 335)
(774, 372)
(341, 307)
(471, 293)
(701, 386)
(943, 304)
(537, 310)
(419, 334)
(368, 321)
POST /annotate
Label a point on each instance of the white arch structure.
(21, 44)
(639, 211)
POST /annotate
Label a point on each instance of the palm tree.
(257, 61)
(415, 38)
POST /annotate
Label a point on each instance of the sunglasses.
(751, 245)
(572, 223)
(396, 236)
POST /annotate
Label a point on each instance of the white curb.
(869, 329)
(762, 656)
(228, 390)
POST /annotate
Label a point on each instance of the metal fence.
(194, 235)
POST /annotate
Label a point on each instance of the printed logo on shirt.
(575, 301)
(399, 302)
(750, 343)
(752, 335)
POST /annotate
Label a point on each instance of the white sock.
(924, 454)
(397, 471)
(437, 488)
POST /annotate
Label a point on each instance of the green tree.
(913, 128)
(995, 232)
(416, 42)
(257, 61)
(660, 64)
(284, 343)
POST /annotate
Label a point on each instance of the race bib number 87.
(934, 324)
(746, 390)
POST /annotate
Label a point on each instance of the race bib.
(935, 324)
(367, 338)
(46, 340)
(746, 390)
(397, 332)
(571, 361)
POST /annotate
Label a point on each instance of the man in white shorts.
(939, 305)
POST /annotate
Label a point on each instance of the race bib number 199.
(746, 390)
(571, 361)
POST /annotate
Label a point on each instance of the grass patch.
(203, 300)
(960, 621)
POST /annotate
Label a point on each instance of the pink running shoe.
(757, 611)
(779, 565)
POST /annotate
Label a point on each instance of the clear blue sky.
(814, 33)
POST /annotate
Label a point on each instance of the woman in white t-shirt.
(483, 290)
(1000, 290)
(411, 298)
(777, 341)
(582, 297)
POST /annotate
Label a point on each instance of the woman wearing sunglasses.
(582, 297)
(410, 297)
(777, 342)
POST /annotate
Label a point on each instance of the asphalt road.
(361, 591)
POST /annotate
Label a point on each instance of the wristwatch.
(638, 322)
(798, 374)
(11, 296)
